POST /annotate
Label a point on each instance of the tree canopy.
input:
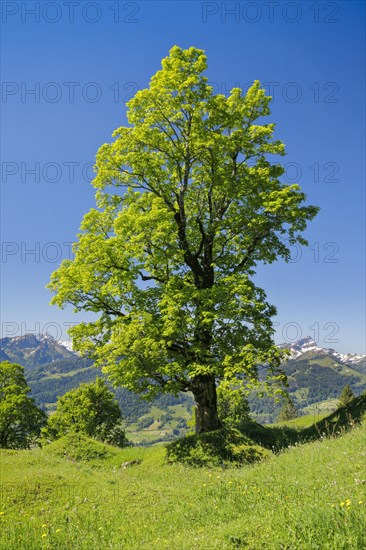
(346, 396)
(91, 409)
(232, 404)
(188, 203)
(288, 411)
(20, 419)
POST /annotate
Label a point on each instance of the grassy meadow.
(92, 496)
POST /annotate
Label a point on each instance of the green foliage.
(232, 404)
(188, 203)
(20, 419)
(288, 411)
(145, 422)
(346, 396)
(165, 418)
(90, 409)
(112, 434)
(215, 448)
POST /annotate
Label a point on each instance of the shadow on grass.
(226, 446)
(277, 438)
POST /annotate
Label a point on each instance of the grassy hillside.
(85, 495)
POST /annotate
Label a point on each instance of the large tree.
(188, 203)
(20, 418)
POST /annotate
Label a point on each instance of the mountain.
(307, 344)
(316, 378)
(30, 350)
(3, 356)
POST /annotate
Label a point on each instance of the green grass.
(321, 407)
(68, 374)
(311, 496)
(302, 421)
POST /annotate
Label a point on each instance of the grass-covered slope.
(311, 496)
(342, 419)
(306, 428)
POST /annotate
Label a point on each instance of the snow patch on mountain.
(301, 346)
(66, 344)
(45, 337)
(307, 344)
(349, 358)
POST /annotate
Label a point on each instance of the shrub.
(90, 409)
(113, 436)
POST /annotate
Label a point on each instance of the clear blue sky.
(85, 59)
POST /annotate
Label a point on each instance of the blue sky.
(84, 60)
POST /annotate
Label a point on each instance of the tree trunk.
(204, 391)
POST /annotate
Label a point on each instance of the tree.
(288, 411)
(187, 205)
(90, 409)
(20, 419)
(232, 404)
(346, 396)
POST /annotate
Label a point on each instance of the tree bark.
(204, 391)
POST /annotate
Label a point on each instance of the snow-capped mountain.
(66, 343)
(301, 346)
(43, 348)
(307, 344)
(47, 338)
(33, 350)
